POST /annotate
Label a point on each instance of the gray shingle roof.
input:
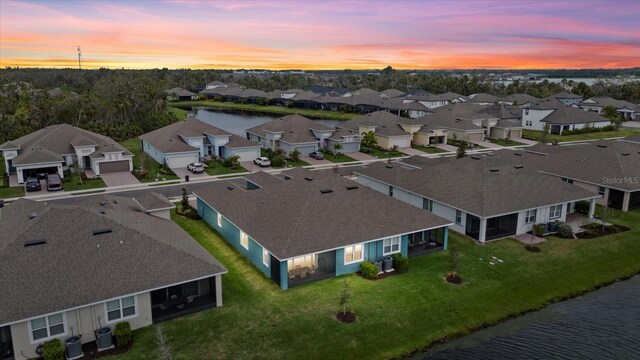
(520, 98)
(605, 100)
(75, 268)
(568, 115)
(294, 128)
(386, 123)
(150, 201)
(177, 91)
(292, 217)
(487, 186)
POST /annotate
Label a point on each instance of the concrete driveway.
(411, 151)
(360, 156)
(182, 171)
(313, 161)
(119, 178)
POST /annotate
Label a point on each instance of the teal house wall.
(372, 251)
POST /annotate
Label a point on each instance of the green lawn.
(11, 192)
(339, 158)
(395, 315)
(429, 150)
(150, 165)
(384, 154)
(318, 114)
(215, 168)
(505, 142)
(73, 183)
(179, 113)
(535, 135)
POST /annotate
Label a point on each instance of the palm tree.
(336, 148)
(369, 139)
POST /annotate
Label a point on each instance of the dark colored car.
(32, 184)
(42, 175)
(317, 155)
(54, 182)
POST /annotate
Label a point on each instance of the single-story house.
(186, 141)
(180, 94)
(608, 168)
(56, 147)
(560, 117)
(433, 101)
(389, 130)
(301, 225)
(482, 99)
(627, 110)
(486, 197)
(566, 98)
(348, 141)
(519, 100)
(292, 132)
(71, 269)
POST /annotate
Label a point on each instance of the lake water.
(588, 81)
(236, 122)
(604, 324)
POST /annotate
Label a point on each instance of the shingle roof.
(482, 185)
(386, 123)
(520, 98)
(294, 129)
(177, 91)
(569, 115)
(605, 100)
(292, 217)
(565, 95)
(150, 201)
(482, 98)
(76, 268)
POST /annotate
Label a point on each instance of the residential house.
(411, 110)
(486, 197)
(627, 110)
(302, 225)
(391, 93)
(71, 269)
(55, 148)
(560, 117)
(565, 98)
(292, 132)
(520, 100)
(180, 94)
(608, 168)
(189, 140)
(433, 101)
(482, 99)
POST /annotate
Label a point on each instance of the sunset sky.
(321, 34)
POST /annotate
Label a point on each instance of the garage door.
(247, 155)
(181, 161)
(474, 137)
(306, 150)
(113, 166)
(402, 143)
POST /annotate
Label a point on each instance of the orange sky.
(321, 35)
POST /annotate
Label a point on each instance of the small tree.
(336, 148)
(544, 133)
(604, 213)
(232, 161)
(294, 155)
(454, 256)
(345, 295)
(161, 340)
(369, 139)
(184, 203)
(462, 149)
(508, 134)
(78, 171)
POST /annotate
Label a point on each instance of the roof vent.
(389, 166)
(308, 178)
(625, 154)
(601, 146)
(102, 231)
(494, 170)
(230, 188)
(115, 201)
(518, 166)
(101, 211)
(35, 242)
(103, 203)
(352, 187)
(326, 191)
(517, 154)
(475, 157)
(32, 216)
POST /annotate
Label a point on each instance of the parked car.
(32, 184)
(54, 182)
(317, 155)
(196, 168)
(262, 161)
(42, 175)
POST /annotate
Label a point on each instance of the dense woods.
(126, 103)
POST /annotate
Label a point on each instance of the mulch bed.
(597, 232)
(347, 317)
(384, 275)
(454, 279)
(533, 249)
(90, 350)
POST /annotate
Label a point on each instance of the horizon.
(295, 35)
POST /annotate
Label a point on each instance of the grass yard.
(152, 166)
(215, 168)
(429, 150)
(384, 154)
(11, 192)
(505, 142)
(179, 113)
(317, 114)
(73, 183)
(395, 315)
(535, 135)
(339, 158)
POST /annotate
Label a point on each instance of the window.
(458, 217)
(529, 123)
(390, 190)
(353, 254)
(244, 240)
(391, 245)
(555, 212)
(265, 257)
(530, 216)
(121, 308)
(47, 327)
(219, 220)
(526, 111)
(191, 289)
(427, 204)
(601, 190)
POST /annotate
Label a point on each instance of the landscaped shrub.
(400, 263)
(53, 350)
(582, 207)
(122, 333)
(589, 129)
(368, 270)
(564, 230)
(277, 161)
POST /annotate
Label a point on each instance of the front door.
(6, 345)
(87, 162)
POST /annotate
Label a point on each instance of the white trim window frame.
(219, 220)
(391, 245)
(50, 324)
(427, 204)
(555, 211)
(530, 216)
(120, 309)
(266, 258)
(353, 254)
(458, 217)
(244, 240)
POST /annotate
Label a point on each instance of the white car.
(196, 168)
(262, 161)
